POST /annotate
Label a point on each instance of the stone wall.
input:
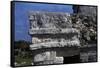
(59, 35)
(53, 34)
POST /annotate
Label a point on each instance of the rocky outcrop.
(57, 35)
(85, 20)
(87, 25)
(52, 23)
(52, 32)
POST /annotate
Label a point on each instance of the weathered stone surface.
(53, 31)
(85, 20)
(62, 33)
(47, 57)
(90, 56)
(49, 20)
(67, 43)
(52, 23)
(56, 34)
(87, 26)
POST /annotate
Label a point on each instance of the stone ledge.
(55, 44)
(53, 31)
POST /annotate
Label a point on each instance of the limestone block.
(45, 56)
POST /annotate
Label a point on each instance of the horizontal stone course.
(53, 31)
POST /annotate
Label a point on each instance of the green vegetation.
(23, 56)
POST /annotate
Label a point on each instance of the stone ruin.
(85, 20)
(53, 37)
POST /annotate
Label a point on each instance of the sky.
(21, 16)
